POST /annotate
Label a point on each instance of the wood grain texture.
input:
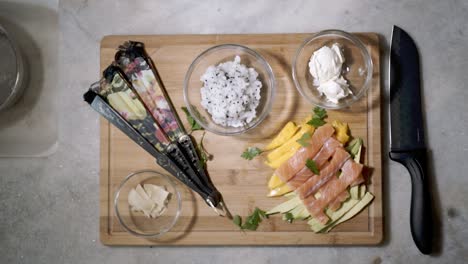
(242, 183)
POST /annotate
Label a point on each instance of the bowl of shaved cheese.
(147, 203)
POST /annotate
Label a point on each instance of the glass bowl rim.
(356, 41)
(176, 216)
(269, 99)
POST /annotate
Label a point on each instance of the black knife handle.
(421, 201)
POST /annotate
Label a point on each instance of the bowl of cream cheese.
(332, 69)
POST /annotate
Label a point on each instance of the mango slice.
(284, 135)
(283, 189)
(274, 182)
(341, 131)
(277, 162)
(290, 145)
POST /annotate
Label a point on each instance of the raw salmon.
(336, 204)
(314, 183)
(358, 181)
(327, 150)
(332, 189)
(294, 164)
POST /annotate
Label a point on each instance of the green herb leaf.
(261, 213)
(318, 119)
(194, 126)
(251, 152)
(237, 221)
(205, 155)
(249, 226)
(304, 140)
(288, 217)
(312, 166)
(320, 112)
(252, 221)
(316, 122)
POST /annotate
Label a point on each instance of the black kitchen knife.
(407, 143)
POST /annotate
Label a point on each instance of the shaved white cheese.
(139, 203)
(142, 192)
(159, 196)
(151, 199)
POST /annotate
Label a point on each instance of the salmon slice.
(328, 149)
(322, 217)
(320, 160)
(358, 181)
(294, 164)
(336, 204)
(333, 188)
(312, 185)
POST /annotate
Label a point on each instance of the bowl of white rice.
(229, 89)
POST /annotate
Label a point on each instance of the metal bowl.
(12, 70)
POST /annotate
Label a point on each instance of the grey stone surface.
(49, 206)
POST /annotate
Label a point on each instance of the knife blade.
(407, 143)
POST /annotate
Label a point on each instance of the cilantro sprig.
(251, 152)
(252, 221)
(205, 156)
(312, 166)
(318, 118)
(288, 217)
(194, 125)
(304, 140)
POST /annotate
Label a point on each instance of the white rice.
(231, 93)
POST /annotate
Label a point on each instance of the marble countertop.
(49, 206)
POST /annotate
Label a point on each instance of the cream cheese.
(325, 66)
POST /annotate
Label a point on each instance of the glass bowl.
(357, 68)
(137, 223)
(215, 56)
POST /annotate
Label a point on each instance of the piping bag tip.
(221, 210)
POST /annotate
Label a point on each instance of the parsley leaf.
(317, 119)
(320, 112)
(288, 217)
(192, 122)
(316, 122)
(251, 152)
(204, 154)
(252, 221)
(304, 140)
(312, 166)
(237, 221)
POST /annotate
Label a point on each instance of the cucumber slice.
(286, 206)
(354, 191)
(366, 200)
(317, 226)
(300, 212)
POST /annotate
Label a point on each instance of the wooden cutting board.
(242, 183)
